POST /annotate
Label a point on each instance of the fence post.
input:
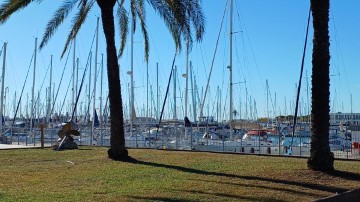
(42, 125)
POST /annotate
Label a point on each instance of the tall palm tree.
(321, 158)
(179, 17)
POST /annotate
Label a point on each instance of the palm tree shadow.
(232, 196)
(319, 187)
(345, 175)
(140, 198)
(289, 190)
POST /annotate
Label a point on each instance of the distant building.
(345, 118)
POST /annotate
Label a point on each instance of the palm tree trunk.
(117, 149)
(321, 158)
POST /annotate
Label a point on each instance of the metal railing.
(176, 141)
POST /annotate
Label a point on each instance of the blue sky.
(268, 46)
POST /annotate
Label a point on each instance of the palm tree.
(321, 158)
(178, 15)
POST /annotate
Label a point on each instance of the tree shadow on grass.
(292, 191)
(232, 196)
(319, 187)
(138, 198)
(345, 175)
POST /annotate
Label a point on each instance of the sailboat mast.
(132, 77)
(151, 103)
(147, 90)
(101, 100)
(157, 91)
(267, 101)
(230, 68)
(37, 111)
(174, 92)
(195, 94)
(240, 111)
(50, 82)
(220, 111)
(2, 88)
(27, 105)
(5, 101)
(217, 103)
(73, 80)
(275, 112)
(192, 92)
(128, 107)
(186, 83)
(89, 91)
(308, 100)
(147, 94)
(245, 104)
(95, 75)
(76, 86)
(33, 88)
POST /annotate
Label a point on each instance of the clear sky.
(268, 45)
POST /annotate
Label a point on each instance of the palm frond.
(165, 12)
(197, 18)
(187, 26)
(57, 19)
(133, 14)
(123, 26)
(179, 11)
(194, 17)
(78, 21)
(82, 3)
(140, 11)
(180, 16)
(11, 6)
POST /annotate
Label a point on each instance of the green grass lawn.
(87, 174)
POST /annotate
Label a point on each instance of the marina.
(185, 103)
(179, 100)
(171, 135)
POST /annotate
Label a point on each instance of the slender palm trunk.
(117, 149)
(321, 158)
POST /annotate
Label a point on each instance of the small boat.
(255, 135)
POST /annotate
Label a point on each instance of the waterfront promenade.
(13, 146)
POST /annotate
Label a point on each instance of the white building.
(345, 118)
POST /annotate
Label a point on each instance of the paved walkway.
(15, 146)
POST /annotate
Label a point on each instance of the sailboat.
(135, 124)
(2, 90)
